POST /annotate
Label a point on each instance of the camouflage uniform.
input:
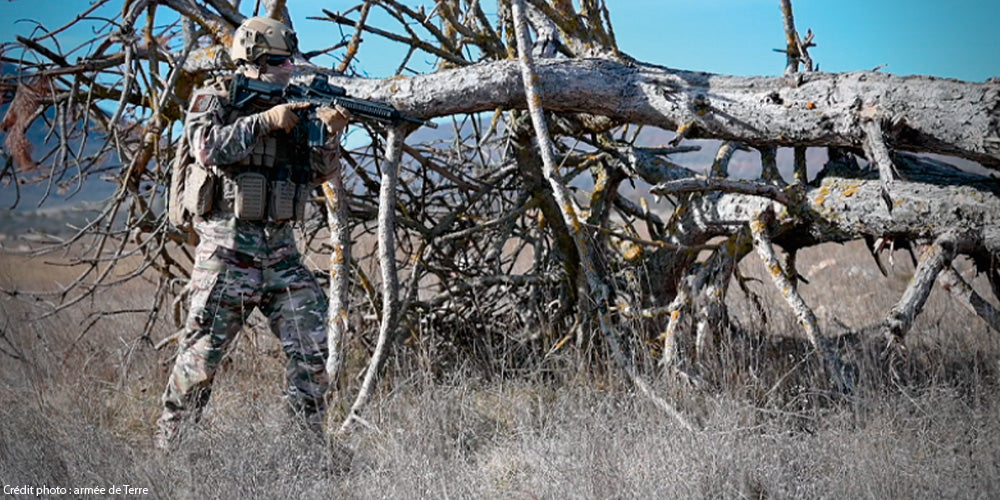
(241, 265)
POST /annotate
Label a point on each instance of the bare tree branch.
(968, 297)
(598, 288)
(390, 281)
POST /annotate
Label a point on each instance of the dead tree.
(515, 225)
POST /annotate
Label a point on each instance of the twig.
(680, 308)
(444, 54)
(878, 154)
(800, 171)
(231, 15)
(769, 191)
(15, 352)
(352, 46)
(649, 243)
(797, 48)
(762, 242)
(769, 165)
(720, 164)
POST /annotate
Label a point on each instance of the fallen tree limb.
(841, 210)
(805, 109)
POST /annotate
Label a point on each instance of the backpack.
(191, 188)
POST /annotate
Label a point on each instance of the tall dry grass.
(79, 412)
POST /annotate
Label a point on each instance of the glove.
(282, 116)
(334, 118)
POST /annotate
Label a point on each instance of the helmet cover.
(259, 36)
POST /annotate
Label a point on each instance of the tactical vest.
(272, 183)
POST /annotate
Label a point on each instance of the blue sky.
(954, 38)
(950, 38)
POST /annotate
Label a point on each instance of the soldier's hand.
(334, 118)
(282, 116)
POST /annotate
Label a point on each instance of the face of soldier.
(276, 70)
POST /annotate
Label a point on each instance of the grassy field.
(78, 412)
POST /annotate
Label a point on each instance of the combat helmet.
(258, 36)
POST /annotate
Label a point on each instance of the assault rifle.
(321, 93)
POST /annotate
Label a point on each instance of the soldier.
(259, 172)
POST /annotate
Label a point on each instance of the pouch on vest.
(250, 202)
(199, 189)
(302, 194)
(282, 200)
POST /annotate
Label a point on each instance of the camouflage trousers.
(226, 286)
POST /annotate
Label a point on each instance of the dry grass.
(79, 412)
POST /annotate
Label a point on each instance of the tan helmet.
(257, 36)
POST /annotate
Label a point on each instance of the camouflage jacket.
(220, 136)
